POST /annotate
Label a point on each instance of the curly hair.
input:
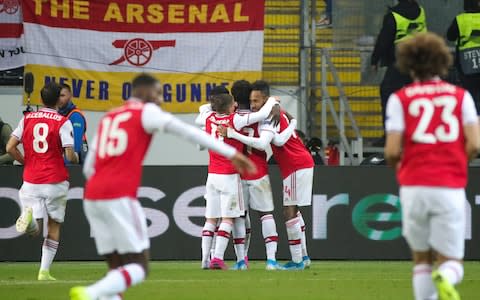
(424, 56)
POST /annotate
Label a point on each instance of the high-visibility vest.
(406, 28)
(469, 42)
(469, 29)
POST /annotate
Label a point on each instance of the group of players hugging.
(250, 120)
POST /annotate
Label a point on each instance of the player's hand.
(275, 115)
(222, 131)
(243, 164)
(289, 116)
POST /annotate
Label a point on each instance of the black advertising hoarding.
(355, 214)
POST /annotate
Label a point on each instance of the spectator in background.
(5, 132)
(70, 110)
(326, 20)
(315, 145)
(400, 23)
(465, 31)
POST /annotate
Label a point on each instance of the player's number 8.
(113, 139)
(40, 132)
(425, 108)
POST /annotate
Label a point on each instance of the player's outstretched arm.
(240, 121)
(197, 136)
(154, 119)
(281, 138)
(12, 149)
(242, 164)
(260, 143)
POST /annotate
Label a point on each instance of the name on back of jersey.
(44, 115)
(219, 121)
(429, 90)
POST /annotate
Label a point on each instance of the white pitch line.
(35, 282)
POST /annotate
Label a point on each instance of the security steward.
(465, 31)
(401, 22)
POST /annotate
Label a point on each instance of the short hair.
(424, 56)
(241, 90)
(50, 94)
(144, 80)
(262, 86)
(66, 86)
(221, 102)
(219, 89)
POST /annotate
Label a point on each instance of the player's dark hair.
(144, 80)
(424, 56)
(241, 90)
(217, 90)
(66, 86)
(262, 86)
(221, 103)
(50, 93)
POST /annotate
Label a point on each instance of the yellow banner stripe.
(100, 91)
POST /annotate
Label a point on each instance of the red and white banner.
(11, 35)
(97, 47)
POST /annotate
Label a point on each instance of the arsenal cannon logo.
(138, 52)
(9, 6)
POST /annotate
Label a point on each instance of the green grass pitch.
(184, 280)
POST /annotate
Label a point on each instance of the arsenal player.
(113, 169)
(296, 167)
(432, 132)
(47, 138)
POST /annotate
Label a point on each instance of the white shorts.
(257, 194)
(45, 198)
(117, 225)
(297, 188)
(434, 218)
(224, 196)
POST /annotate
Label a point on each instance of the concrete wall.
(166, 149)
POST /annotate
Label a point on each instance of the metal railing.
(354, 151)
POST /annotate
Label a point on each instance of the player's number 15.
(113, 139)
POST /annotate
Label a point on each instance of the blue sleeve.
(78, 122)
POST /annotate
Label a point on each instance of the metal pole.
(304, 45)
(325, 97)
(312, 105)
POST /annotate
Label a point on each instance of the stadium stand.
(281, 67)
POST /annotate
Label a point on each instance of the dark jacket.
(384, 51)
(453, 35)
